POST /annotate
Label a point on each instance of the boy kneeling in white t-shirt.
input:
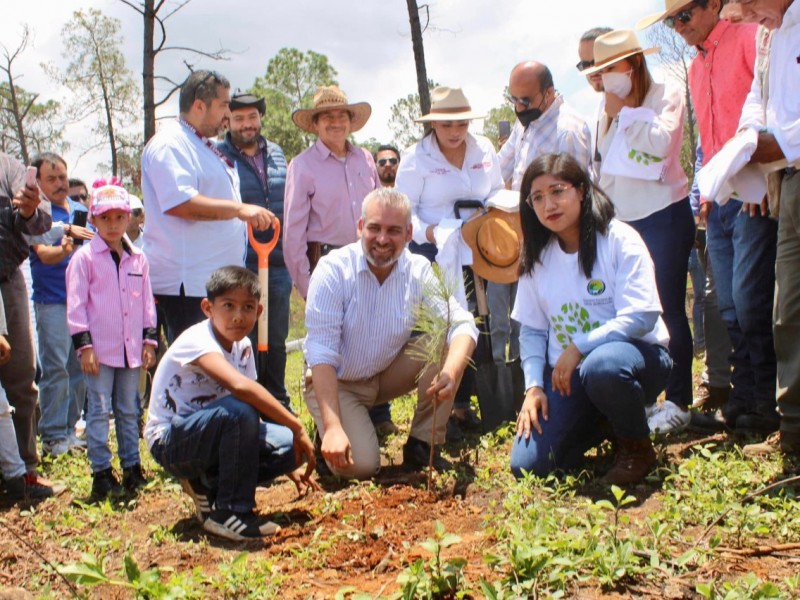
(204, 424)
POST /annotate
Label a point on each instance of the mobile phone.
(503, 129)
(30, 177)
(79, 219)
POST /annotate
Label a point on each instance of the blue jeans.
(669, 236)
(112, 390)
(271, 365)
(226, 444)
(11, 464)
(614, 384)
(61, 389)
(742, 250)
(698, 275)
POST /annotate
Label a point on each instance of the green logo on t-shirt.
(596, 287)
(573, 319)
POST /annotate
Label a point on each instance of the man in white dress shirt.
(360, 315)
(196, 218)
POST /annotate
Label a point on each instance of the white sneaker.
(55, 447)
(667, 417)
(76, 442)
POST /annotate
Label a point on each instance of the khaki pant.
(786, 315)
(357, 397)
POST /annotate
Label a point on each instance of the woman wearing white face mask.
(637, 155)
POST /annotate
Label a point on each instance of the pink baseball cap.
(109, 197)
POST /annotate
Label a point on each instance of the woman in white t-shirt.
(446, 165)
(592, 341)
(637, 154)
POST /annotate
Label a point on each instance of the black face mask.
(526, 117)
(529, 115)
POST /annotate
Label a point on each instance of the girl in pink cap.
(112, 320)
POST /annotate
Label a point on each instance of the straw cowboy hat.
(670, 6)
(613, 46)
(330, 97)
(495, 237)
(449, 104)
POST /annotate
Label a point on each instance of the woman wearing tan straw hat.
(637, 153)
(447, 165)
(592, 342)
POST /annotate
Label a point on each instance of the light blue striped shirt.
(358, 325)
(559, 129)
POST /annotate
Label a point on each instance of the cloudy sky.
(470, 43)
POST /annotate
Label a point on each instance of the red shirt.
(719, 80)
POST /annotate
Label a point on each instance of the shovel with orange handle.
(263, 249)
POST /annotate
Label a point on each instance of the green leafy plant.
(434, 579)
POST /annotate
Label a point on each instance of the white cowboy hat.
(613, 46)
(330, 97)
(449, 104)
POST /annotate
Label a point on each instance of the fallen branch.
(759, 550)
(744, 500)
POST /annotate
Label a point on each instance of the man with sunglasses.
(387, 158)
(740, 238)
(78, 192)
(196, 218)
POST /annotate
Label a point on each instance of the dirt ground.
(360, 535)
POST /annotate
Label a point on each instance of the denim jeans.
(742, 250)
(271, 365)
(227, 444)
(11, 464)
(615, 382)
(112, 391)
(669, 236)
(503, 329)
(62, 389)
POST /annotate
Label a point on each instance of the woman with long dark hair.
(592, 341)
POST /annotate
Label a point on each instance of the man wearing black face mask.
(545, 123)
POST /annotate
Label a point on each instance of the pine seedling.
(434, 319)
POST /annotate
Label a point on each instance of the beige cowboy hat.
(449, 104)
(330, 97)
(670, 6)
(613, 46)
(495, 237)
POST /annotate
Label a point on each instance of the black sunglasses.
(137, 212)
(585, 64)
(392, 161)
(79, 197)
(684, 17)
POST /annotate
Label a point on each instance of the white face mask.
(618, 84)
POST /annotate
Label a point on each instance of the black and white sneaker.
(238, 526)
(200, 495)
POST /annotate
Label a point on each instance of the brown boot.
(633, 461)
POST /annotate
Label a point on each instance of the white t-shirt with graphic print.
(181, 388)
(558, 298)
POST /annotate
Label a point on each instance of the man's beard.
(388, 178)
(379, 263)
(244, 139)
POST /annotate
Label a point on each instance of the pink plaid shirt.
(115, 307)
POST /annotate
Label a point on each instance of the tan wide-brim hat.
(330, 97)
(670, 6)
(449, 104)
(614, 46)
(495, 237)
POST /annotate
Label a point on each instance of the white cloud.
(472, 44)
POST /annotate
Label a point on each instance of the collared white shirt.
(358, 325)
(559, 129)
(176, 166)
(433, 184)
(783, 107)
